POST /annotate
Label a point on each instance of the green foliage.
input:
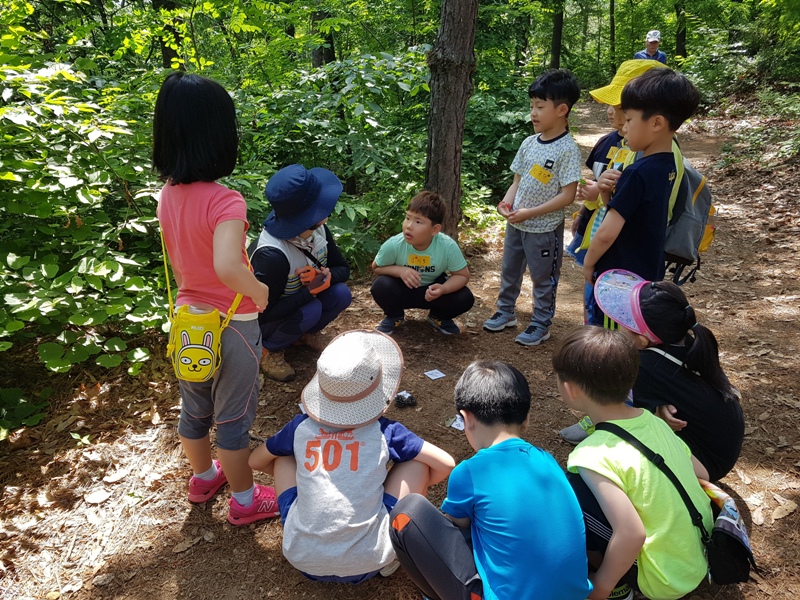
(82, 276)
(17, 410)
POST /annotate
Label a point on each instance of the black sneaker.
(445, 326)
(390, 324)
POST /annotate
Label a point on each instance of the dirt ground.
(110, 520)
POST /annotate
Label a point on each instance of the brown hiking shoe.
(315, 341)
(275, 366)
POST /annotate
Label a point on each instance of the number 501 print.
(330, 454)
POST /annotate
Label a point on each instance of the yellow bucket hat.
(612, 93)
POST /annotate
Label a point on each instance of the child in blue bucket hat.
(297, 257)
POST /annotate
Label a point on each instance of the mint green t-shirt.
(442, 256)
(672, 561)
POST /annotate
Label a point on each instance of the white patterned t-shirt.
(544, 168)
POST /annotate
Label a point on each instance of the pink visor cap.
(617, 293)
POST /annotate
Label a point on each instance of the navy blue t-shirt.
(599, 156)
(642, 199)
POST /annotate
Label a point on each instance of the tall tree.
(612, 36)
(558, 32)
(680, 32)
(452, 63)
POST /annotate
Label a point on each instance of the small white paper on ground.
(435, 374)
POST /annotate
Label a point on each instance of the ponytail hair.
(669, 315)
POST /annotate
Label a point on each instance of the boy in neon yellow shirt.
(638, 531)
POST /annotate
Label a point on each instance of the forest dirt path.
(110, 520)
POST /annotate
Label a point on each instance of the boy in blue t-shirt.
(632, 234)
(512, 527)
(546, 169)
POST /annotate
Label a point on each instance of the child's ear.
(524, 425)
(437, 228)
(640, 342)
(659, 122)
(562, 109)
(469, 419)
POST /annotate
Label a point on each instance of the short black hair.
(495, 392)
(430, 205)
(662, 92)
(602, 362)
(195, 135)
(558, 85)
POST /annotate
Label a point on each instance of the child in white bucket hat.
(330, 466)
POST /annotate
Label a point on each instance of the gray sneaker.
(533, 335)
(575, 434)
(499, 321)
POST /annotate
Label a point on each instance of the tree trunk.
(322, 55)
(452, 63)
(680, 33)
(612, 37)
(558, 31)
(167, 52)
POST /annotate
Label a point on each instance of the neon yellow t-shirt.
(672, 561)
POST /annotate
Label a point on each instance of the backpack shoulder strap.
(658, 461)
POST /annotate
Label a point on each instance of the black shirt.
(715, 429)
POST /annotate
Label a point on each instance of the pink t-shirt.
(188, 214)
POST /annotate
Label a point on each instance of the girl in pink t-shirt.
(204, 223)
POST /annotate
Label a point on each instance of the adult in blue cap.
(297, 257)
(652, 41)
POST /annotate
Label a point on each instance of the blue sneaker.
(533, 335)
(445, 326)
(499, 321)
(390, 324)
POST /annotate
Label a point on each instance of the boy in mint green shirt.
(639, 535)
(421, 267)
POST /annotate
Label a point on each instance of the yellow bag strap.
(231, 310)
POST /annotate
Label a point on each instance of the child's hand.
(261, 299)
(433, 292)
(520, 215)
(588, 273)
(504, 208)
(576, 219)
(411, 278)
(587, 192)
(666, 413)
(608, 181)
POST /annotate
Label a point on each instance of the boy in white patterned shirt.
(547, 169)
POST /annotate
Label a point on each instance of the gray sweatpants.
(541, 253)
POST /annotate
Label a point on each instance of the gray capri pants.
(230, 398)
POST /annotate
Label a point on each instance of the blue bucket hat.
(300, 198)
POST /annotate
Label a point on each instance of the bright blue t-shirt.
(528, 536)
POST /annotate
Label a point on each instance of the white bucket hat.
(356, 380)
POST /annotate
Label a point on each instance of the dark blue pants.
(309, 318)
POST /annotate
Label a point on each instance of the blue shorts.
(230, 398)
(285, 503)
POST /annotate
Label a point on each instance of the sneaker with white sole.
(499, 321)
(621, 592)
(264, 506)
(533, 335)
(201, 490)
(390, 568)
(390, 324)
(575, 434)
(445, 326)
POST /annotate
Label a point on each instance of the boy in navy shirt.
(633, 231)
